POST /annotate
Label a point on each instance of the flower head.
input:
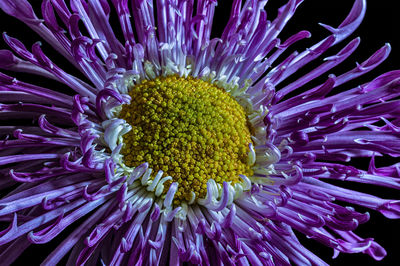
(175, 147)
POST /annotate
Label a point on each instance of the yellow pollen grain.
(188, 128)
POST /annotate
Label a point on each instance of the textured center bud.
(190, 129)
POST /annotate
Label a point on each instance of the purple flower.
(177, 147)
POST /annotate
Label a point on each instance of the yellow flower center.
(190, 129)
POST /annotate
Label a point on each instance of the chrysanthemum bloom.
(181, 148)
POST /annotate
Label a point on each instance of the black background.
(380, 25)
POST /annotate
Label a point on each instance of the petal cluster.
(65, 169)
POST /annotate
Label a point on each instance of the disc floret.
(190, 129)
